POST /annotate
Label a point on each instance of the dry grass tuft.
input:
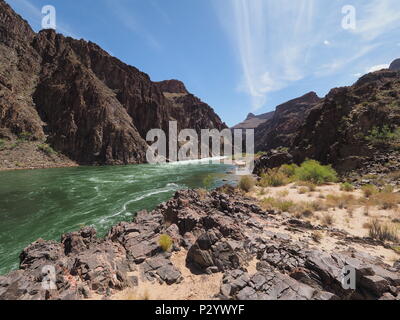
(383, 232)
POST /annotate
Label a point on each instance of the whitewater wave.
(195, 161)
(168, 188)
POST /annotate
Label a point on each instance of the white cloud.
(378, 67)
(377, 18)
(280, 42)
(271, 49)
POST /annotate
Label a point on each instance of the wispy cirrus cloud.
(279, 43)
(130, 21)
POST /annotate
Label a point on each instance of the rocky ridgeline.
(221, 233)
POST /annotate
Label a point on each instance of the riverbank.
(29, 155)
(224, 238)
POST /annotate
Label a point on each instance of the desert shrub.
(283, 193)
(383, 232)
(348, 187)
(317, 236)
(312, 187)
(340, 201)
(328, 219)
(288, 169)
(383, 135)
(277, 204)
(388, 189)
(313, 171)
(46, 149)
(273, 178)
(303, 190)
(386, 200)
(165, 242)
(25, 136)
(369, 190)
(247, 183)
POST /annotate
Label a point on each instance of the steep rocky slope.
(338, 130)
(280, 130)
(253, 122)
(87, 104)
(349, 128)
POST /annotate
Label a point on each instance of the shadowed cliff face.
(336, 129)
(280, 130)
(90, 106)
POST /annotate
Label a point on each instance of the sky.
(239, 56)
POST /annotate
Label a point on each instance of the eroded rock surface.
(222, 232)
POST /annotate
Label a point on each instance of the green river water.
(47, 203)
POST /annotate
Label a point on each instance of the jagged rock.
(210, 250)
(76, 242)
(271, 160)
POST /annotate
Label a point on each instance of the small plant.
(283, 193)
(247, 183)
(312, 187)
(313, 171)
(369, 190)
(348, 187)
(2, 144)
(208, 181)
(25, 136)
(383, 135)
(165, 242)
(383, 232)
(317, 236)
(288, 169)
(277, 204)
(273, 178)
(328, 219)
(303, 190)
(46, 149)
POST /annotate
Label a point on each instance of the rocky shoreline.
(220, 232)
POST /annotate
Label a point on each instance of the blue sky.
(239, 56)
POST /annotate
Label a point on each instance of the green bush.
(314, 172)
(25, 136)
(2, 144)
(246, 183)
(348, 187)
(289, 169)
(165, 242)
(46, 149)
(383, 135)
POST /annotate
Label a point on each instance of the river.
(49, 202)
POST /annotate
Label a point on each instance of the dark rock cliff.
(87, 104)
(280, 130)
